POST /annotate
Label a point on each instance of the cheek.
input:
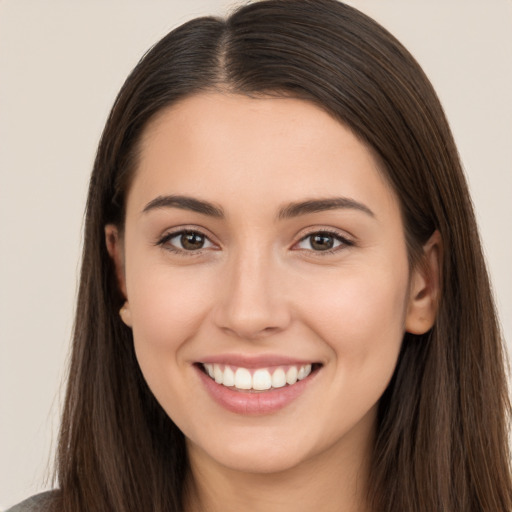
(361, 317)
(362, 322)
(167, 308)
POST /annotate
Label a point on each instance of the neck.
(332, 481)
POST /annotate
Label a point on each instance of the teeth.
(209, 369)
(243, 379)
(260, 380)
(218, 374)
(291, 375)
(278, 378)
(229, 377)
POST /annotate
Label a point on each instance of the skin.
(258, 286)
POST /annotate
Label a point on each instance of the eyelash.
(344, 242)
(164, 242)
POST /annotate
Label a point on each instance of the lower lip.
(256, 403)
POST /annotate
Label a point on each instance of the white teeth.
(243, 379)
(291, 375)
(218, 374)
(229, 377)
(209, 369)
(304, 371)
(260, 380)
(278, 378)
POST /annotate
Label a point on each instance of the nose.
(252, 302)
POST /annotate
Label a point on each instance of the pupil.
(192, 241)
(322, 242)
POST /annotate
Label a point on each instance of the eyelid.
(345, 241)
(180, 230)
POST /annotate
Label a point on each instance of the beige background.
(61, 64)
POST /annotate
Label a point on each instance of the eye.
(186, 241)
(323, 241)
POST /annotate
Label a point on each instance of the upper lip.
(260, 361)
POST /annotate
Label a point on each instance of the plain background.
(61, 65)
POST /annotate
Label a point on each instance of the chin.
(257, 452)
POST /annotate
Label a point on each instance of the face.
(263, 247)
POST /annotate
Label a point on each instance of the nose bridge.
(252, 303)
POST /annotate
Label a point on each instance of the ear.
(126, 314)
(425, 288)
(115, 250)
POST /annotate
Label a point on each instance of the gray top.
(34, 504)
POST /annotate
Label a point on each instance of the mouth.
(257, 380)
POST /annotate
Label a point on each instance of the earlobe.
(125, 314)
(115, 250)
(425, 288)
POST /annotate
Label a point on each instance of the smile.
(256, 385)
(256, 379)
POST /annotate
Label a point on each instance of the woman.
(283, 301)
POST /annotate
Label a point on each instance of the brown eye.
(192, 241)
(186, 241)
(323, 241)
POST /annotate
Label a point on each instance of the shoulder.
(35, 503)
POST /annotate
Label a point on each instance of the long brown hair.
(442, 428)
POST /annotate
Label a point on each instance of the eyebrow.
(289, 211)
(185, 203)
(320, 205)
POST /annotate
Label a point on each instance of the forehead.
(266, 148)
